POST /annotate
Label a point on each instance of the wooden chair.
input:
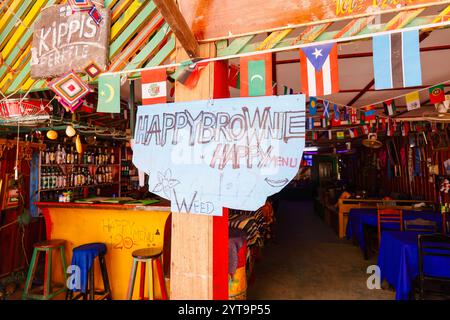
(421, 225)
(433, 245)
(389, 216)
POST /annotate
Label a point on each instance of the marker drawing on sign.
(183, 203)
(165, 183)
(277, 183)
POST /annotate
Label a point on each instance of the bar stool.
(48, 247)
(84, 257)
(144, 256)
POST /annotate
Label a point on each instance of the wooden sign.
(64, 40)
(219, 19)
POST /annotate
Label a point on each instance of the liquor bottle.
(68, 155)
(76, 158)
(58, 154)
(47, 157)
(43, 178)
(113, 160)
(52, 156)
(49, 178)
(72, 156)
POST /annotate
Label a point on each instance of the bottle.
(72, 156)
(47, 156)
(113, 160)
(68, 160)
(54, 178)
(44, 178)
(58, 154)
(52, 156)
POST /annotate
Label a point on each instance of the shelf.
(89, 186)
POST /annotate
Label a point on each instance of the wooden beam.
(179, 26)
(191, 272)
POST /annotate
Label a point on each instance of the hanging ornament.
(70, 131)
(52, 134)
(78, 144)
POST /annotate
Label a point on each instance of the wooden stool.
(144, 256)
(84, 257)
(48, 247)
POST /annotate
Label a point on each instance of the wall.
(423, 186)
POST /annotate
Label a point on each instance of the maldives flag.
(256, 75)
(319, 70)
(154, 86)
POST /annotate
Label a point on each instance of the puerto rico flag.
(319, 70)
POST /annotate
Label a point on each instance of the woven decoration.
(80, 5)
(95, 15)
(93, 70)
(70, 89)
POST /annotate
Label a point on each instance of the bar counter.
(122, 227)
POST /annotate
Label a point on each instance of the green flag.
(257, 78)
(109, 93)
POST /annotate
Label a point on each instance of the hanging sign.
(64, 40)
(233, 153)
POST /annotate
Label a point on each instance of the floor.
(307, 261)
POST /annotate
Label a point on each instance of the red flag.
(154, 86)
(191, 74)
(234, 77)
(221, 89)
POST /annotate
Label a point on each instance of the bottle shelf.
(79, 187)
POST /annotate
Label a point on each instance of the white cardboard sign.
(207, 155)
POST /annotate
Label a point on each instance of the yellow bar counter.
(123, 228)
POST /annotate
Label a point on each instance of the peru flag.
(319, 70)
(154, 86)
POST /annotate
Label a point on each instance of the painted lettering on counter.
(126, 234)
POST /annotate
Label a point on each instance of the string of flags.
(396, 60)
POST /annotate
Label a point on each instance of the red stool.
(144, 256)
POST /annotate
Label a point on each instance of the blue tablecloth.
(359, 217)
(83, 257)
(399, 264)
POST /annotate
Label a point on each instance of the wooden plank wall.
(423, 186)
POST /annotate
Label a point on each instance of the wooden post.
(199, 249)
